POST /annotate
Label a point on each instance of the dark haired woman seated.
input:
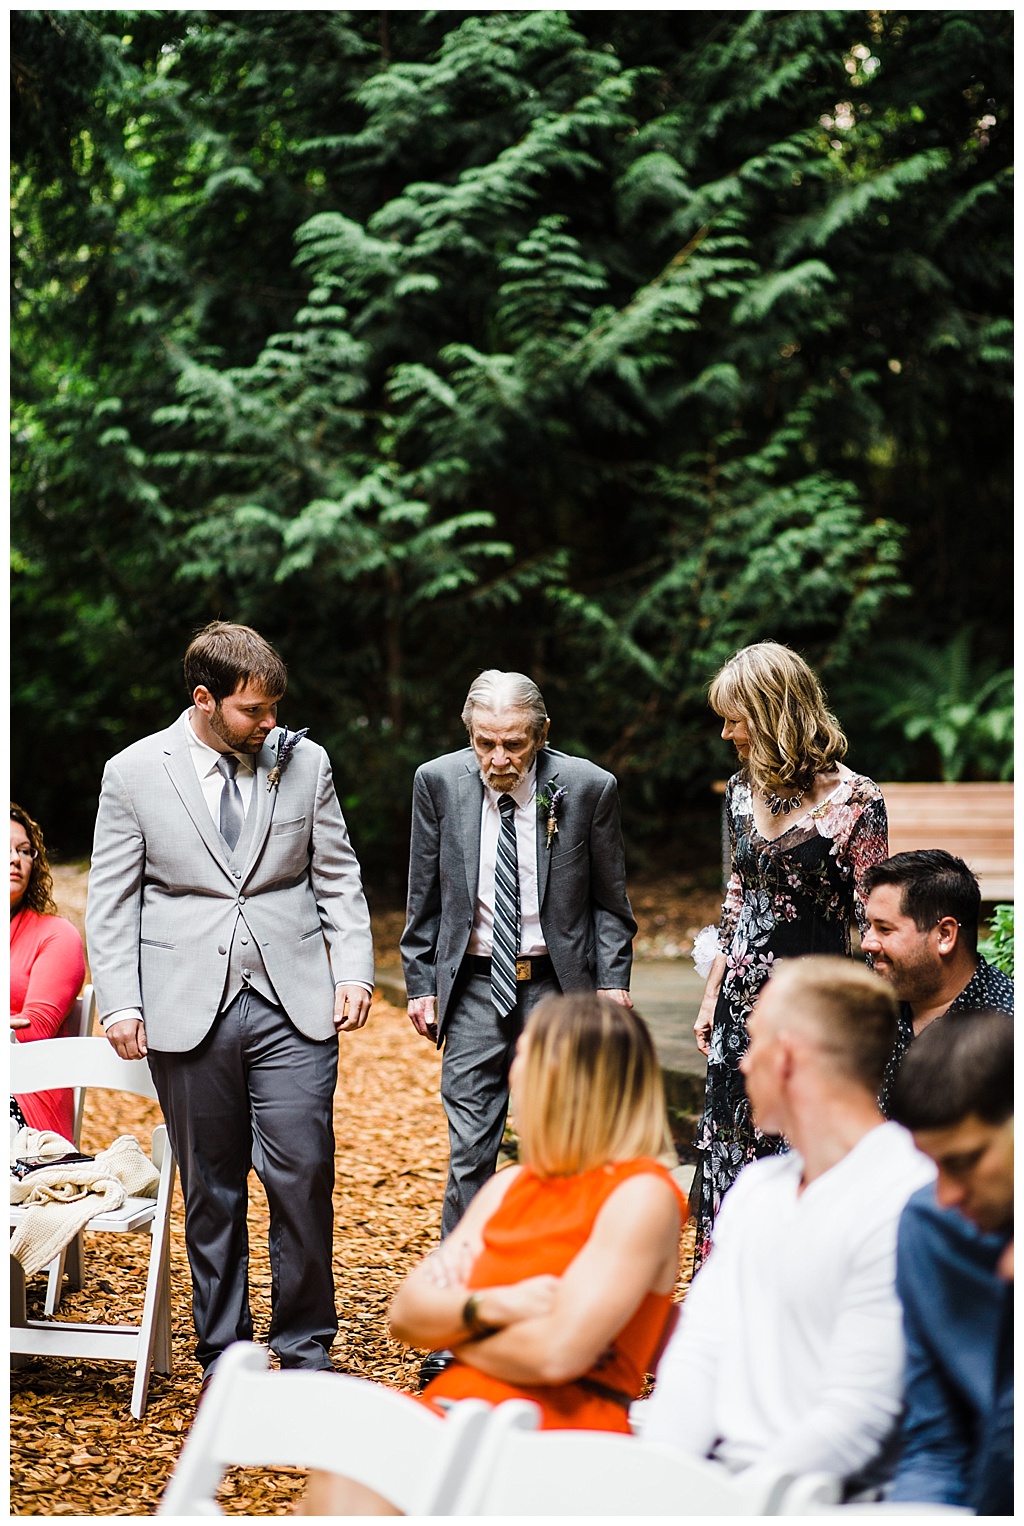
(557, 1284)
(47, 969)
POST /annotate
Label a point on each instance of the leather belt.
(528, 966)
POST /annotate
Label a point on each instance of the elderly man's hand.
(128, 1038)
(623, 998)
(422, 1014)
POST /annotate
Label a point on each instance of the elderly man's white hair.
(494, 690)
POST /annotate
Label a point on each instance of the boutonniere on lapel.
(549, 803)
(287, 745)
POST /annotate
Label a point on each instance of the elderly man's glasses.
(26, 854)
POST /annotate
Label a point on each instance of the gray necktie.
(505, 946)
(232, 815)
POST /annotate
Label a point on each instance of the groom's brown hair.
(223, 656)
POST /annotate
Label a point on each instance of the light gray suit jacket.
(166, 895)
(581, 880)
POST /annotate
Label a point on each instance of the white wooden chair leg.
(74, 1263)
(156, 1304)
(162, 1335)
(55, 1283)
(19, 1314)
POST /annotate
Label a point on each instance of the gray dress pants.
(256, 1092)
(478, 1051)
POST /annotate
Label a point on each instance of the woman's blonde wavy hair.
(793, 734)
(590, 1091)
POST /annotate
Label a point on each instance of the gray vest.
(245, 958)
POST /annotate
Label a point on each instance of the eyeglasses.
(27, 854)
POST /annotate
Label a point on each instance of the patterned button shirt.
(988, 990)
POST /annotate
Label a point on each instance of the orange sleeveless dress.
(539, 1227)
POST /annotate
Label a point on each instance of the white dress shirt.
(531, 936)
(789, 1351)
(211, 780)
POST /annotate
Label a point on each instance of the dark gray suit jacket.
(581, 880)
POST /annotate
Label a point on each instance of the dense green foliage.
(595, 344)
(998, 946)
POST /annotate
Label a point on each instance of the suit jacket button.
(221, 949)
(241, 900)
(245, 940)
(452, 968)
(237, 873)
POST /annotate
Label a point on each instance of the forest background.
(593, 344)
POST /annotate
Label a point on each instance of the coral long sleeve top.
(47, 970)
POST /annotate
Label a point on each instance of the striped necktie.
(505, 946)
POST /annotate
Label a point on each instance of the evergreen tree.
(594, 344)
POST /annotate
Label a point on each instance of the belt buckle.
(524, 969)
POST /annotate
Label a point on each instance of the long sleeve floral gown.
(794, 894)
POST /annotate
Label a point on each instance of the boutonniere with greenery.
(549, 803)
(287, 745)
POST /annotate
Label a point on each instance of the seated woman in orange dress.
(557, 1284)
(47, 967)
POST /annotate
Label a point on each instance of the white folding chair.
(518, 1470)
(250, 1417)
(82, 1063)
(72, 1257)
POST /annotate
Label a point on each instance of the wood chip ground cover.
(76, 1450)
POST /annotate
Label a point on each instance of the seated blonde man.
(789, 1351)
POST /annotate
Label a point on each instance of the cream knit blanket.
(61, 1199)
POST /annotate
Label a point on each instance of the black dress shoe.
(434, 1363)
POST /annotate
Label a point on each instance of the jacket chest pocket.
(288, 828)
(571, 856)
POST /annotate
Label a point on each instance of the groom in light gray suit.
(229, 941)
(517, 888)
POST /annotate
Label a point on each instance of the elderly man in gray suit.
(517, 888)
(229, 942)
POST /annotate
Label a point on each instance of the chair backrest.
(520, 1471)
(50, 1064)
(80, 1019)
(79, 1026)
(387, 1441)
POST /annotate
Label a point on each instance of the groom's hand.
(351, 1008)
(129, 1038)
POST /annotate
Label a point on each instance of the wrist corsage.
(706, 950)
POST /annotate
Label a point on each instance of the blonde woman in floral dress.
(803, 829)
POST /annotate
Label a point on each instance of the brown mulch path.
(75, 1448)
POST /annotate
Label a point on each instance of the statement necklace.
(777, 803)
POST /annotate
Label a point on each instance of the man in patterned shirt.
(922, 911)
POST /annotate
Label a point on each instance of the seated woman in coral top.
(47, 966)
(557, 1284)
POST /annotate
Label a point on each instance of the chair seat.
(134, 1213)
(52, 1064)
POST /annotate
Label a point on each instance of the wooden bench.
(974, 821)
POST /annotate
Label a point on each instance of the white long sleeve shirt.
(789, 1352)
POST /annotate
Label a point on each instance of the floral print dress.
(795, 894)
